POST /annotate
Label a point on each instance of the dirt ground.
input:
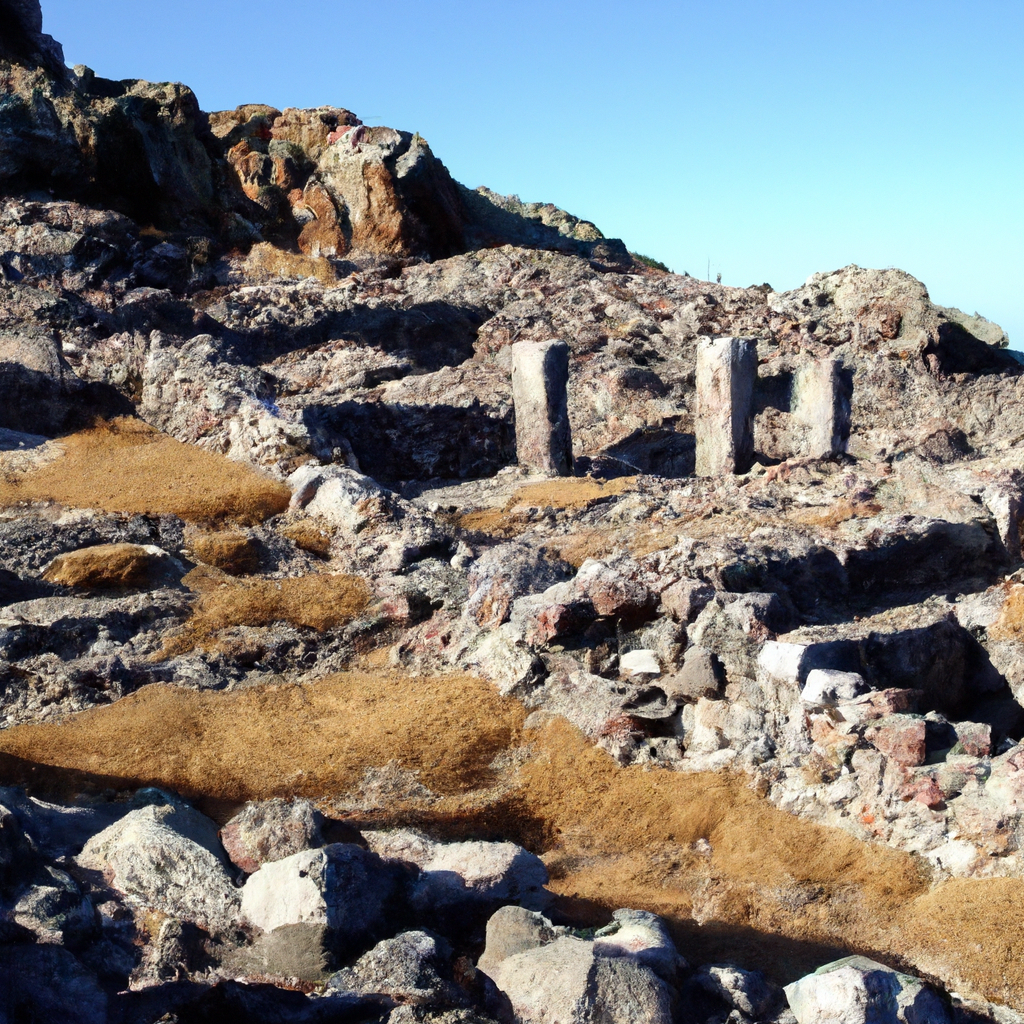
(737, 878)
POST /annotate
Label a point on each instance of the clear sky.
(773, 139)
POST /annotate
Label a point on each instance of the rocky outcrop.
(780, 538)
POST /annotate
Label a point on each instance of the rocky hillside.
(316, 704)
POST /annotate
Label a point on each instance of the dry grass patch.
(228, 550)
(569, 492)
(561, 494)
(127, 466)
(267, 741)
(308, 535)
(840, 512)
(318, 601)
(106, 566)
(268, 262)
(736, 877)
(1010, 624)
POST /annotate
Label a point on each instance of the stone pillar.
(540, 381)
(726, 373)
(821, 408)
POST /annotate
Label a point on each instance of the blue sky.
(773, 139)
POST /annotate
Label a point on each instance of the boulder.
(271, 830)
(343, 887)
(414, 968)
(46, 983)
(827, 686)
(569, 981)
(685, 599)
(168, 858)
(856, 990)
(54, 909)
(701, 675)
(613, 588)
(512, 930)
(900, 737)
(452, 874)
(643, 937)
(503, 574)
(56, 830)
(745, 991)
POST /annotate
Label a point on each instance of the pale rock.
(700, 675)
(746, 991)
(726, 373)
(643, 937)
(568, 982)
(856, 990)
(640, 663)
(455, 873)
(540, 378)
(342, 886)
(828, 686)
(336, 494)
(685, 599)
(271, 830)
(512, 930)
(822, 408)
(413, 968)
(167, 857)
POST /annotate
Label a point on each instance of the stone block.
(540, 381)
(821, 409)
(726, 373)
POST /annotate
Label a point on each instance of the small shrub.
(649, 261)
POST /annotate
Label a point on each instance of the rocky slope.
(315, 706)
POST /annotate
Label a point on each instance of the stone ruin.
(726, 380)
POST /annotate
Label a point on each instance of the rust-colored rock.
(900, 737)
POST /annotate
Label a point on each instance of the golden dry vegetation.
(317, 601)
(774, 890)
(1010, 624)
(309, 535)
(561, 495)
(127, 466)
(228, 550)
(266, 262)
(104, 565)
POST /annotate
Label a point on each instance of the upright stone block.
(726, 373)
(540, 380)
(821, 408)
